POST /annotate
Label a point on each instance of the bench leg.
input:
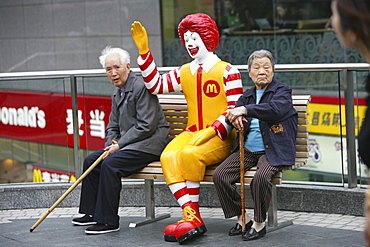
(272, 213)
(149, 206)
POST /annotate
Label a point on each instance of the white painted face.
(194, 45)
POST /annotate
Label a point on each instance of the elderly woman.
(270, 128)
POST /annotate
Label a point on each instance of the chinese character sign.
(47, 118)
(329, 119)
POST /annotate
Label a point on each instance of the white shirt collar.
(207, 66)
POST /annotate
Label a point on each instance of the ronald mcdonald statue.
(211, 87)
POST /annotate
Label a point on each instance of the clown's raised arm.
(207, 80)
(156, 83)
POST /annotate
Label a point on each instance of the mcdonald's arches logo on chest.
(211, 88)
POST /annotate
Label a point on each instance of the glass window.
(296, 32)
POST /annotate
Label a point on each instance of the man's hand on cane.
(114, 147)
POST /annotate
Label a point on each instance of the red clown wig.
(202, 24)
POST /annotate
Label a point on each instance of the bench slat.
(302, 115)
(301, 148)
(305, 98)
(169, 113)
(174, 107)
(301, 141)
(302, 129)
(301, 102)
(302, 121)
(300, 108)
(172, 120)
(301, 154)
(302, 135)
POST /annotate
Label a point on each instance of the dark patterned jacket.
(277, 119)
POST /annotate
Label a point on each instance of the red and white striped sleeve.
(234, 89)
(155, 82)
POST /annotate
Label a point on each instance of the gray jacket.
(136, 121)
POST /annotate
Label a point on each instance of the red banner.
(47, 118)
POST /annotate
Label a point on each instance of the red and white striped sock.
(180, 191)
(193, 188)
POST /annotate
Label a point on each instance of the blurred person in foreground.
(136, 134)
(270, 129)
(211, 87)
(351, 23)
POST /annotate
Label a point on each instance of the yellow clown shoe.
(169, 230)
(193, 225)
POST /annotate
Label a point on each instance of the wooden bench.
(175, 110)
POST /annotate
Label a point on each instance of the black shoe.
(101, 228)
(253, 234)
(237, 229)
(84, 221)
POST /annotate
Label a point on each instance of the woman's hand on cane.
(236, 116)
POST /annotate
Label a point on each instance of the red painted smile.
(193, 51)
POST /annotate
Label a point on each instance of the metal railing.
(348, 75)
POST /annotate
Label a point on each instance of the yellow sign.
(39, 176)
(329, 119)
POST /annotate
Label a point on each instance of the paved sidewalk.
(335, 221)
(308, 229)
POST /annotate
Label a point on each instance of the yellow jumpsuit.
(206, 99)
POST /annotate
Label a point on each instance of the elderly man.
(270, 121)
(210, 86)
(136, 136)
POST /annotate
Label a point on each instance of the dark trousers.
(227, 174)
(100, 192)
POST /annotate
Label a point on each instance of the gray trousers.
(227, 174)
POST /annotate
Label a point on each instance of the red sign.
(47, 118)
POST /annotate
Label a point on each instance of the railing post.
(350, 128)
(76, 136)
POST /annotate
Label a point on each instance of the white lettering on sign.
(97, 125)
(69, 120)
(24, 116)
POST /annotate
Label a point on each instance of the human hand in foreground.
(202, 136)
(367, 217)
(140, 37)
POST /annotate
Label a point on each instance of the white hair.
(108, 51)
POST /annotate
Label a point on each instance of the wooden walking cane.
(70, 189)
(241, 147)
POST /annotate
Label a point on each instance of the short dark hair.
(355, 15)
